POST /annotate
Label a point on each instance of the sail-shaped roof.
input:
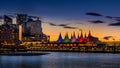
(73, 39)
(89, 37)
(81, 39)
(60, 40)
(66, 39)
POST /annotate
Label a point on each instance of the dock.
(66, 47)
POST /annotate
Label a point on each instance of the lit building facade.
(34, 26)
(21, 19)
(24, 30)
(7, 20)
(9, 34)
(31, 29)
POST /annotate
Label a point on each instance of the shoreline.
(23, 53)
(60, 51)
(52, 47)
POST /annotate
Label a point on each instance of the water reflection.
(62, 60)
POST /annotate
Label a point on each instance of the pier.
(67, 47)
(76, 47)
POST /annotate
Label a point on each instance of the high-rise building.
(34, 31)
(7, 20)
(21, 19)
(9, 34)
(34, 26)
(23, 30)
(20, 32)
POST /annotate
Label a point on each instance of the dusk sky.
(101, 17)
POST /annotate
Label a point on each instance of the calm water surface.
(62, 60)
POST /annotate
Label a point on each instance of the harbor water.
(62, 60)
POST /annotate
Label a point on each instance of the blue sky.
(61, 8)
(69, 11)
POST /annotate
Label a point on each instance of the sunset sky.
(101, 17)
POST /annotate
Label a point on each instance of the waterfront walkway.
(75, 47)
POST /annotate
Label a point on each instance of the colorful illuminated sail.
(81, 39)
(89, 37)
(60, 40)
(66, 39)
(73, 39)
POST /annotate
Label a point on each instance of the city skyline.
(101, 17)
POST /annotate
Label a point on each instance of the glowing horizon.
(54, 32)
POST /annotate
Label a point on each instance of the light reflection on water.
(62, 60)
